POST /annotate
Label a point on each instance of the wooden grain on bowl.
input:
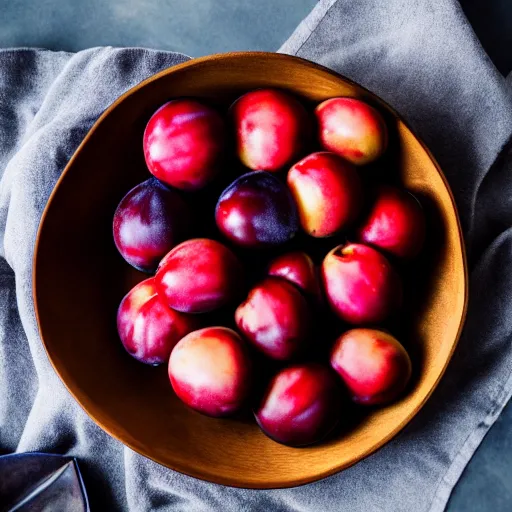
(79, 280)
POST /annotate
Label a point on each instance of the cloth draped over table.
(424, 60)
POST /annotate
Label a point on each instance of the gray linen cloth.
(423, 58)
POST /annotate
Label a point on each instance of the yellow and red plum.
(298, 268)
(275, 318)
(198, 276)
(149, 221)
(360, 284)
(301, 405)
(374, 366)
(210, 371)
(395, 223)
(148, 329)
(271, 129)
(327, 191)
(184, 144)
(352, 129)
(257, 210)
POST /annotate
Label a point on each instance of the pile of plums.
(257, 300)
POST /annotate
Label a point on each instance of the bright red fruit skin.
(301, 406)
(147, 327)
(210, 371)
(257, 210)
(148, 223)
(374, 366)
(275, 318)
(352, 129)
(395, 223)
(360, 284)
(327, 191)
(271, 128)
(198, 276)
(299, 269)
(184, 143)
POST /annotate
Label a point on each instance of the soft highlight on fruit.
(275, 318)
(148, 329)
(210, 371)
(301, 405)
(352, 129)
(271, 129)
(395, 223)
(327, 191)
(149, 221)
(373, 365)
(199, 275)
(361, 285)
(184, 144)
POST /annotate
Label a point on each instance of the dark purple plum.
(301, 405)
(257, 210)
(149, 221)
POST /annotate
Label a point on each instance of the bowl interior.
(79, 280)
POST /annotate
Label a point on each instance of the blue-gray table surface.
(248, 25)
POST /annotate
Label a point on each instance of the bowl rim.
(210, 476)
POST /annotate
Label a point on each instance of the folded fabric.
(420, 56)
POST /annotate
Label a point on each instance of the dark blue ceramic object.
(39, 481)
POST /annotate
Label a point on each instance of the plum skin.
(395, 223)
(210, 371)
(198, 276)
(271, 129)
(298, 268)
(275, 318)
(257, 210)
(148, 222)
(361, 285)
(184, 144)
(374, 365)
(148, 329)
(352, 129)
(301, 406)
(328, 193)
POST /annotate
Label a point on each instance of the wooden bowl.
(79, 280)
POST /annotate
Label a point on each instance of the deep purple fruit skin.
(257, 210)
(149, 221)
(302, 404)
